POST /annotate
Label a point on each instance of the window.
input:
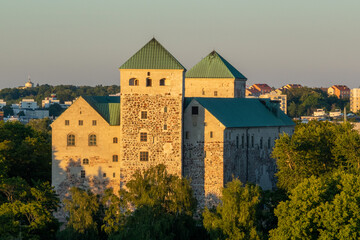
(71, 140)
(203, 92)
(92, 140)
(143, 114)
(113, 175)
(143, 137)
(162, 82)
(115, 158)
(165, 109)
(67, 122)
(195, 110)
(148, 73)
(237, 141)
(82, 174)
(165, 127)
(148, 82)
(252, 141)
(261, 142)
(85, 161)
(187, 134)
(211, 134)
(133, 82)
(144, 156)
(115, 140)
(269, 142)
(243, 141)
(81, 122)
(104, 174)
(215, 93)
(94, 122)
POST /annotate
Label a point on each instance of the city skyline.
(84, 43)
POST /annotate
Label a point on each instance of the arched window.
(71, 140)
(115, 158)
(92, 140)
(85, 161)
(115, 140)
(133, 82)
(148, 82)
(162, 82)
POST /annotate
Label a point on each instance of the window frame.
(115, 140)
(92, 140)
(143, 114)
(143, 137)
(144, 156)
(194, 110)
(70, 140)
(85, 161)
(115, 158)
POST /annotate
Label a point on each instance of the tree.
(41, 125)
(31, 148)
(316, 148)
(235, 217)
(321, 208)
(27, 210)
(163, 207)
(83, 208)
(8, 111)
(55, 110)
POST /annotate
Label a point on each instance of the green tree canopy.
(235, 217)
(321, 208)
(316, 148)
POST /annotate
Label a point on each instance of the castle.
(198, 123)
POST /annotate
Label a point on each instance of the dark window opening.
(195, 110)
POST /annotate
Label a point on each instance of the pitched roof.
(107, 106)
(214, 66)
(152, 56)
(245, 112)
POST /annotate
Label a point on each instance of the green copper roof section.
(107, 106)
(245, 112)
(152, 56)
(214, 66)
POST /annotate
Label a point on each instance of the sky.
(315, 43)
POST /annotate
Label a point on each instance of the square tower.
(152, 93)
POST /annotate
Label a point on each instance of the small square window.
(165, 127)
(211, 134)
(215, 93)
(143, 114)
(104, 174)
(144, 156)
(81, 122)
(195, 110)
(148, 73)
(85, 161)
(187, 134)
(115, 158)
(115, 140)
(67, 122)
(165, 109)
(94, 122)
(113, 175)
(82, 174)
(143, 137)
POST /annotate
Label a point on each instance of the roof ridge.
(152, 56)
(214, 66)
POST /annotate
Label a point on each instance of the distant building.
(263, 88)
(28, 104)
(48, 101)
(335, 114)
(341, 91)
(2, 103)
(292, 86)
(252, 92)
(355, 100)
(282, 98)
(319, 113)
(28, 84)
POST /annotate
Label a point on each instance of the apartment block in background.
(355, 100)
(341, 91)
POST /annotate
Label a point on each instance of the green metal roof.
(107, 106)
(152, 56)
(214, 66)
(245, 112)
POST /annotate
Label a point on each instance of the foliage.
(22, 144)
(163, 207)
(235, 217)
(63, 92)
(83, 208)
(303, 101)
(27, 211)
(55, 110)
(316, 148)
(321, 208)
(41, 125)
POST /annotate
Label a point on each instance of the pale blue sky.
(311, 42)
